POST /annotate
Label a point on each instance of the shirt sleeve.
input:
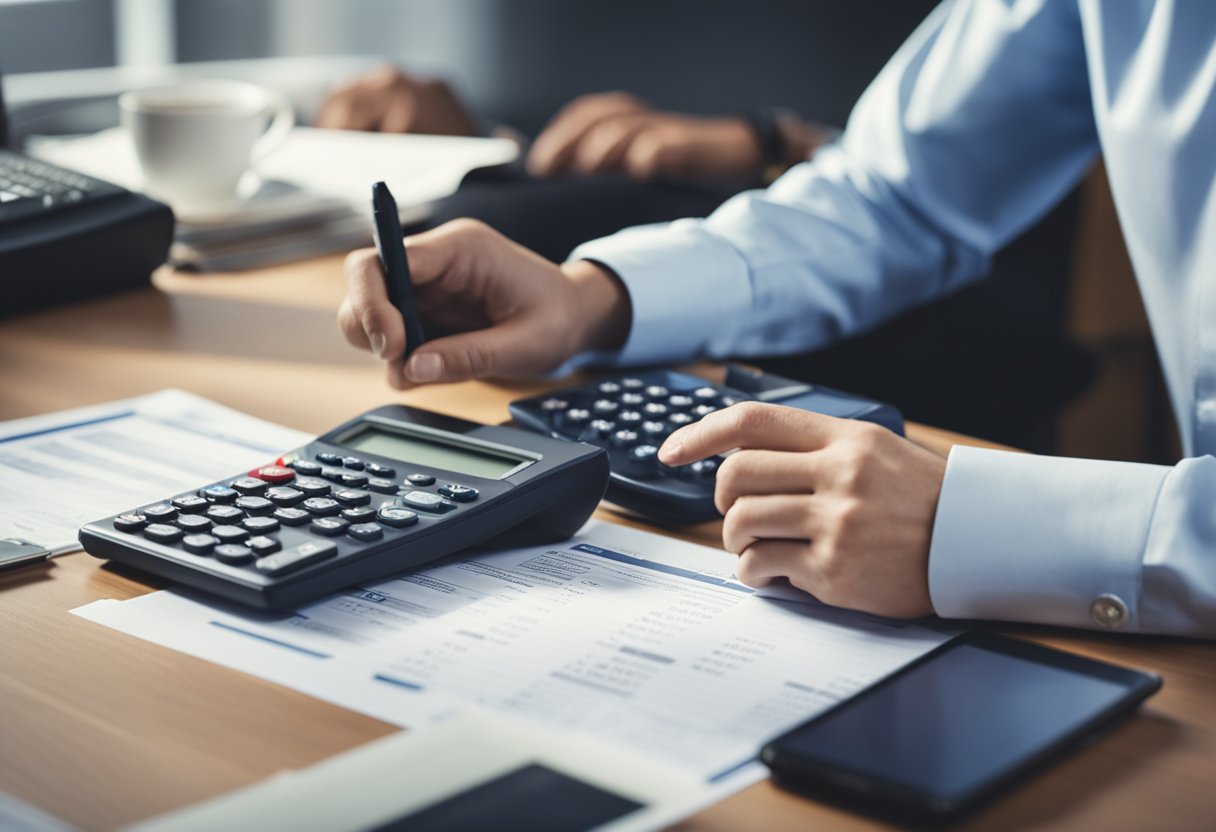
(978, 124)
(1083, 543)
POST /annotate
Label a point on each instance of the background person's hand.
(842, 508)
(490, 307)
(390, 101)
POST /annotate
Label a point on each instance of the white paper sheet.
(60, 471)
(639, 639)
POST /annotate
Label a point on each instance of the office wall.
(56, 34)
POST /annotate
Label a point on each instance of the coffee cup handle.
(281, 122)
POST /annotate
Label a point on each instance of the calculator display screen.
(424, 451)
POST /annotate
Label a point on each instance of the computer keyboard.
(29, 187)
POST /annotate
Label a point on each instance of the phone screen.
(954, 722)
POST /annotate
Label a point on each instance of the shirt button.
(1108, 611)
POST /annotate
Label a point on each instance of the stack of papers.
(310, 196)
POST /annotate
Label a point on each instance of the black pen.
(387, 228)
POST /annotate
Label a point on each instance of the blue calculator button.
(552, 406)
(219, 494)
(703, 410)
(629, 419)
(656, 410)
(459, 493)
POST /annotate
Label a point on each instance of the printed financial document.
(630, 636)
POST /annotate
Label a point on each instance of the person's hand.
(616, 132)
(388, 100)
(498, 308)
(842, 508)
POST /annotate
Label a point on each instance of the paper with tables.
(63, 470)
(632, 637)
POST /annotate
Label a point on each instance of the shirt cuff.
(689, 290)
(1019, 537)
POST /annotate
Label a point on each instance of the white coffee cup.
(196, 140)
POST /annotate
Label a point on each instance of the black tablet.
(937, 738)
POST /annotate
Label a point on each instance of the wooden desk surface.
(102, 729)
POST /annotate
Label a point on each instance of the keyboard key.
(129, 522)
(352, 497)
(221, 515)
(365, 531)
(249, 485)
(254, 505)
(159, 513)
(193, 523)
(312, 486)
(420, 479)
(284, 495)
(219, 494)
(199, 544)
(233, 554)
(163, 533)
(426, 501)
(459, 493)
(358, 514)
(396, 516)
(328, 526)
(297, 556)
(261, 525)
(353, 463)
(190, 503)
(275, 474)
(230, 534)
(262, 545)
(321, 506)
(292, 516)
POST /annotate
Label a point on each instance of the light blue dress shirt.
(986, 117)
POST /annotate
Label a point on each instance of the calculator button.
(284, 495)
(353, 480)
(193, 523)
(328, 526)
(574, 419)
(329, 459)
(275, 474)
(459, 493)
(219, 494)
(703, 410)
(655, 410)
(629, 418)
(632, 383)
(375, 470)
(352, 497)
(657, 391)
(333, 474)
(420, 479)
(681, 402)
(262, 545)
(624, 438)
(632, 400)
(255, 505)
(233, 554)
(359, 514)
(129, 522)
(426, 501)
(705, 394)
(609, 388)
(225, 514)
(190, 503)
(292, 516)
(727, 401)
(199, 544)
(230, 534)
(322, 506)
(261, 525)
(311, 486)
(353, 463)
(642, 461)
(554, 405)
(605, 407)
(655, 430)
(159, 513)
(249, 485)
(702, 469)
(305, 467)
(299, 555)
(365, 531)
(382, 485)
(396, 516)
(162, 533)
(679, 420)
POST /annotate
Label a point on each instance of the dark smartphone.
(934, 740)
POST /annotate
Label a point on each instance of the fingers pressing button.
(1108, 611)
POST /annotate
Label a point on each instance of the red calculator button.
(274, 473)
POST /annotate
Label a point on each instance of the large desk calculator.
(392, 489)
(630, 416)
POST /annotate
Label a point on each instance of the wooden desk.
(102, 729)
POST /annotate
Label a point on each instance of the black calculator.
(631, 415)
(392, 489)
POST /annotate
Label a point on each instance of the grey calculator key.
(301, 554)
(225, 514)
(249, 485)
(305, 467)
(333, 474)
(255, 505)
(312, 486)
(163, 533)
(284, 495)
(129, 522)
(420, 479)
(365, 531)
(329, 459)
(233, 554)
(352, 497)
(199, 544)
(353, 463)
(190, 503)
(328, 526)
(160, 513)
(193, 523)
(261, 525)
(376, 470)
(382, 485)
(396, 516)
(230, 534)
(322, 506)
(353, 479)
(263, 545)
(359, 514)
(292, 516)
(459, 493)
(426, 501)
